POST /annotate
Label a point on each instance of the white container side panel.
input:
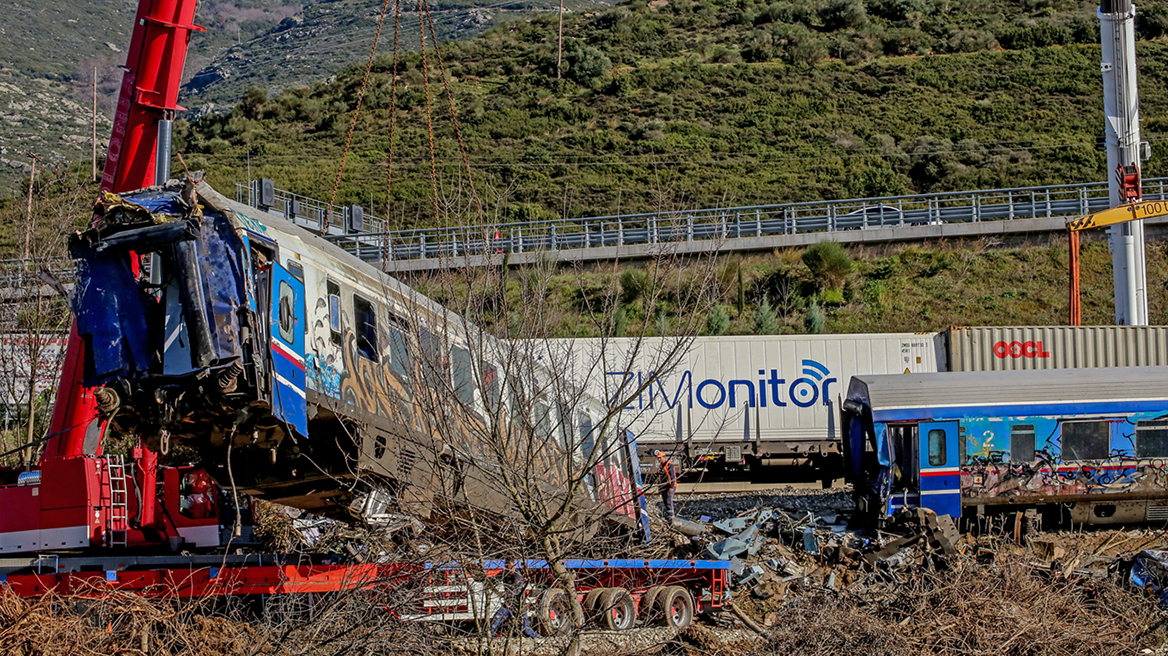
(1056, 347)
(741, 389)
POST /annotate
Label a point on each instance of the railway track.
(748, 487)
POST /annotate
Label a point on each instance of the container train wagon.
(735, 402)
(307, 377)
(1085, 445)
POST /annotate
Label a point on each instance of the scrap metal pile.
(808, 584)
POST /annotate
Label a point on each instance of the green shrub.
(634, 283)
(662, 323)
(586, 63)
(833, 297)
(829, 263)
(814, 320)
(765, 321)
(900, 10)
(620, 321)
(718, 322)
(843, 14)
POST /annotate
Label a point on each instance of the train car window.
(565, 419)
(543, 421)
(1086, 440)
(463, 376)
(334, 309)
(937, 455)
(399, 347)
(365, 320)
(1022, 443)
(296, 269)
(494, 391)
(287, 313)
(587, 438)
(1152, 439)
(435, 371)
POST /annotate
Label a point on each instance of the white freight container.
(760, 396)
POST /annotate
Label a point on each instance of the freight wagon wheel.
(554, 614)
(618, 612)
(650, 614)
(676, 607)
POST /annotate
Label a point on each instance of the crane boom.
(1147, 209)
(149, 93)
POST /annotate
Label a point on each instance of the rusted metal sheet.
(996, 348)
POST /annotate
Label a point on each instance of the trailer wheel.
(618, 612)
(676, 606)
(554, 613)
(591, 603)
(650, 614)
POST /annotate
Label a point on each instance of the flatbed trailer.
(616, 594)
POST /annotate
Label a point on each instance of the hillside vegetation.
(900, 288)
(693, 103)
(49, 50)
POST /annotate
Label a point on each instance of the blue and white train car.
(1092, 441)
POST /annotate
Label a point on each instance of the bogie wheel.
(555, 613)
(676, 607)
(617, 610)
(650, 614)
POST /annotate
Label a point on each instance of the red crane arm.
(153, 74)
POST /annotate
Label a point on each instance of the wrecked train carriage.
(1089, 445)
(300, 373)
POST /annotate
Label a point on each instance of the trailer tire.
(591, 607)
(676, 606)
(554, 613)
(650, 614)
(617, 611)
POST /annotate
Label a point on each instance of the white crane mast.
(1121, 107)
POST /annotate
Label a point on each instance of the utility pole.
(28, 218)
(95, 124)
(1121, 110)
(560, 45)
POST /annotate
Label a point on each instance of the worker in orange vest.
(668, 484)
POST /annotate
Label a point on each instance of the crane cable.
(428, 20)
(392, 122)
(454, 116)
(353, 124)
(429, 115)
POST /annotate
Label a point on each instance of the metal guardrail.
(308, 212)
(712, 225)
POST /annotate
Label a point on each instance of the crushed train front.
(174, 303)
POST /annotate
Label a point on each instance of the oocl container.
(1056, 347)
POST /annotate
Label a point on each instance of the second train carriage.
(1089, 445)
(300, 373)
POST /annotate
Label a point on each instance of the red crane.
(87, 497)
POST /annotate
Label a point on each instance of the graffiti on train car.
(1045, 456)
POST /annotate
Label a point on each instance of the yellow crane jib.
(1147, 209)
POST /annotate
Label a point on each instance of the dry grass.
(1007, 608)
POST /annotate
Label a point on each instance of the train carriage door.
(287, 330)
(940, 474)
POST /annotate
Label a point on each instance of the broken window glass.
(1152, 439)
(1022, 443)
(937, 455)
(463, 376)
(287, 313)
(365, 318)
(1086, 440)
